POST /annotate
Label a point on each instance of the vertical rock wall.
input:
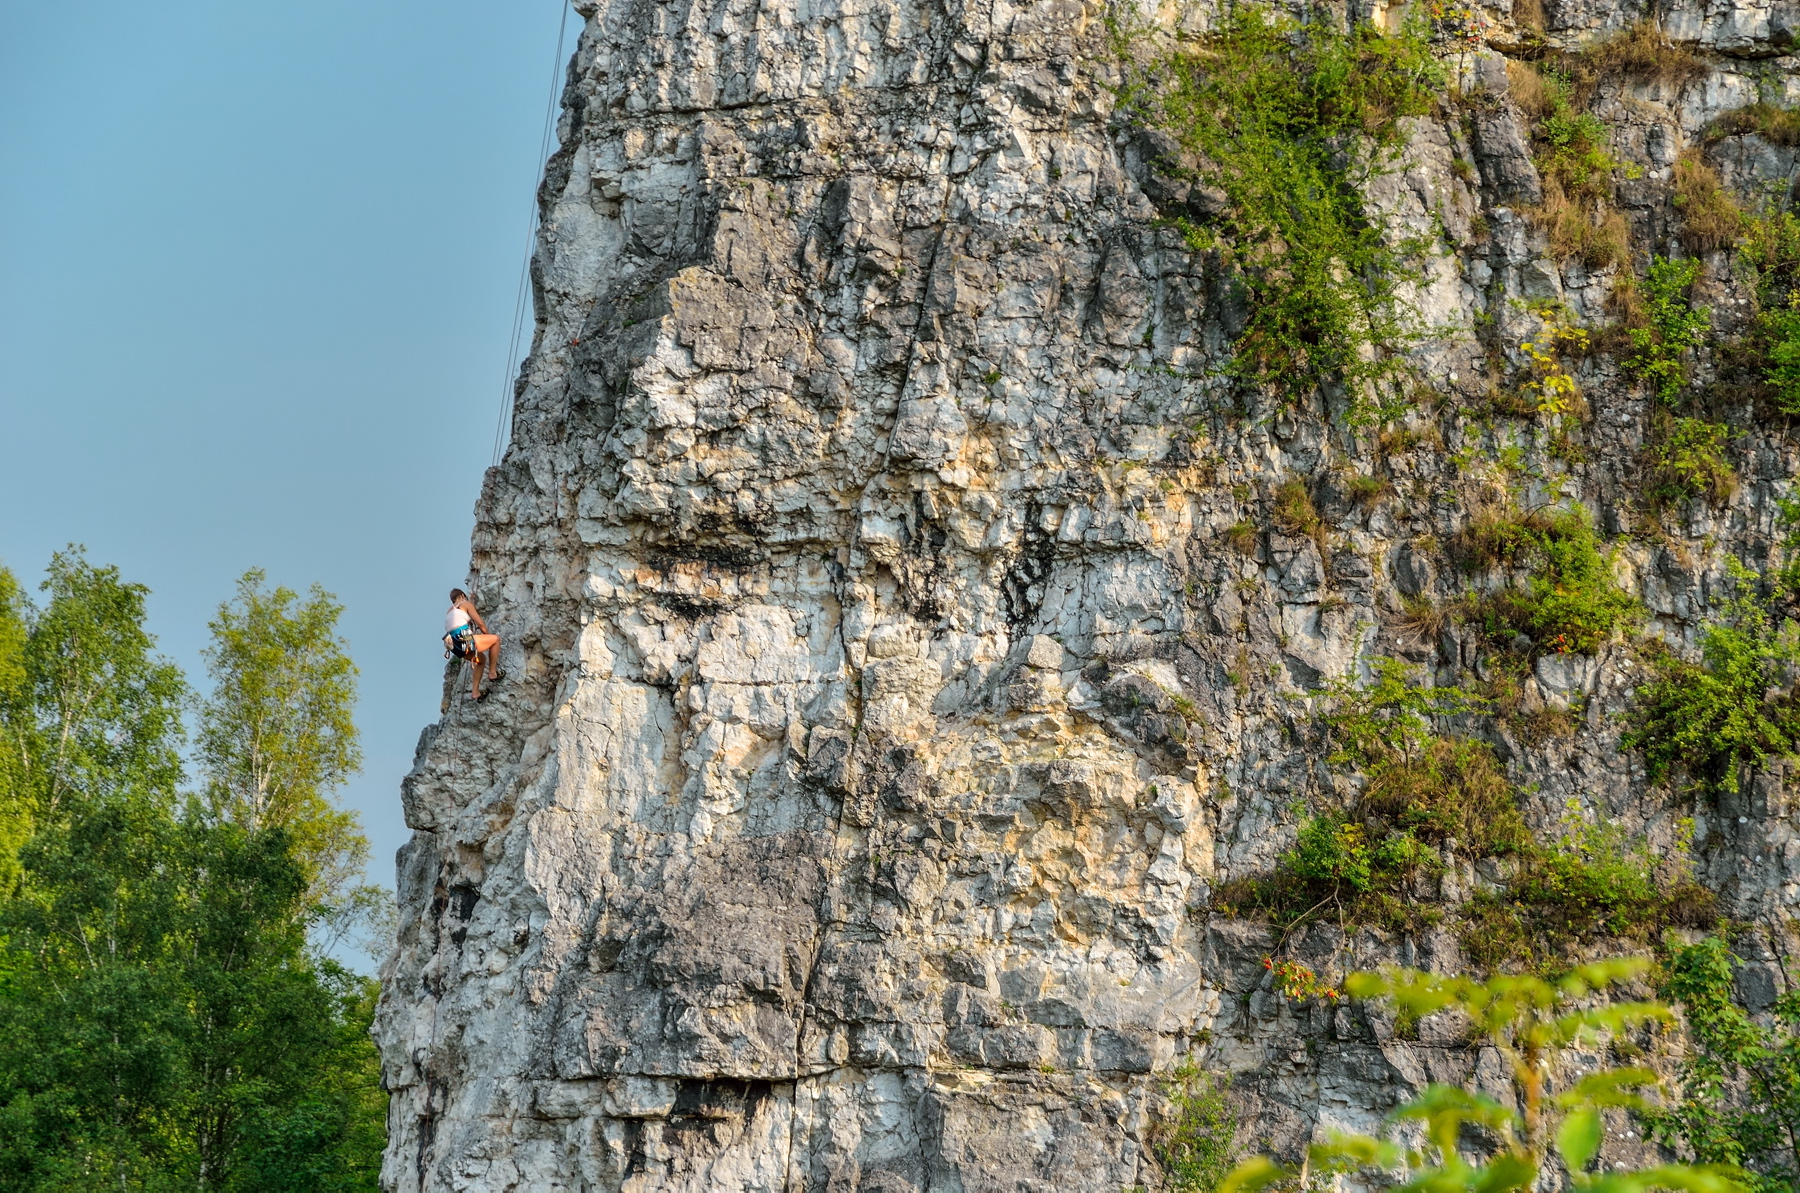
(886, 698)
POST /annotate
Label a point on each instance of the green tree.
(163, 1022)
(1740, 1100)
(277, 734)
(101, 711)
(15, 720)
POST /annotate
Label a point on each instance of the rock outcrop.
(890, 690)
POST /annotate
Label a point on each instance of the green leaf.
(1598, 975)
(1578, 1138)
(1611, 1087)
(1347, 1153)
(1508, 1170)
(1258, 1172)
(1687, 1178)
(1445, 1108)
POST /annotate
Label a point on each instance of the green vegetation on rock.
(1422, 795)
(1770, 254)
(1718, 719)
(1570, 604)
(1193, 1139)
(1740, 1084)
(1286, 121)
(1425, 798)
(1593, 883)
(1674, 329)
(1687, 459)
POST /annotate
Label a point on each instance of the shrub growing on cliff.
(1421, 787)
(1710, 218)
(1780, 329)
(1422, 795)
(1719, 718)
(1287, 120)
(1529, 1021)
(1193, 1140)
(1675, 328)
(1642, 52)
(1427, 797)
(1740, 1085)
(1777, 125)
(1450, 792)
(1294, 511)
(1593, 882)
(1687, 459)
(1570, 604)
(1770, 254)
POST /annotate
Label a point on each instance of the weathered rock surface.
(887, 699)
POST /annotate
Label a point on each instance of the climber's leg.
(487, 646)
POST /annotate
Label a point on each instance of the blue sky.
(257, 268)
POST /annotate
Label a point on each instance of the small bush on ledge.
(1570, 604)
(1593, 883)
(1722, 717)
(1426, 800)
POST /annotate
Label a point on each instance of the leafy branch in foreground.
(1528, 1020)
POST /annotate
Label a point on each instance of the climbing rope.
(531, 226)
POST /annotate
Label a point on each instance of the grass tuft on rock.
(1642, 53)
(1710, 218)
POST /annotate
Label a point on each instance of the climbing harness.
(459, 643)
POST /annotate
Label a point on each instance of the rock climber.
(466, 636)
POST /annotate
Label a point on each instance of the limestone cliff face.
(886, 699)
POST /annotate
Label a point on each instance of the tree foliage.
(164, 1024)
(96, 711)
(276, 734)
